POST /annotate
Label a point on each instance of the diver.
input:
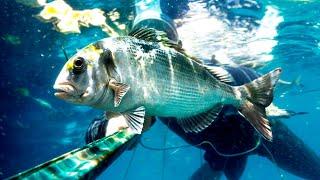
(231, 138)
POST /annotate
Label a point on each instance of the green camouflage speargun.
(83, 163)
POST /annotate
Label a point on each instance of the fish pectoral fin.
(135, 119)
(201, 121)
(120, 89)
(220, 73)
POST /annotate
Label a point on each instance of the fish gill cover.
(35, 127)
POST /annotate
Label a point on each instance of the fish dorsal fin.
(220, 73)
(149, 34)
(120, 89)
(199, 122)
(135, 119)
(153, 35)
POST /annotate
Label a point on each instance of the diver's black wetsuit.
(231, 135)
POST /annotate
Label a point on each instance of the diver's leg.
(290, 153)
(233, 167)
(206, 173)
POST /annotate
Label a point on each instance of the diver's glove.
(97, 129)
(102, 126)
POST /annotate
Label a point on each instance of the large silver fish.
(144, 74)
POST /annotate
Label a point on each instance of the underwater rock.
(67, 20)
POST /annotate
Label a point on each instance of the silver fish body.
(164, 81)
(146, 75)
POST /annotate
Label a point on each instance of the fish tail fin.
(258, 94)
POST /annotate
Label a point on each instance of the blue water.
(31, 133)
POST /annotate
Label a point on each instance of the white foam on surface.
(206, 32)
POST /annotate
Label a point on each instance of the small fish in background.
(295, 83)
(43, 103)
(23, 91)
(11, 39)
(236, 2)
(26, 93)
(81, 109)
(290, 87)
(22, 125)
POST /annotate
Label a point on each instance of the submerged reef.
(67, 20)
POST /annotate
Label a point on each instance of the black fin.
(135, 119)
(120, 89)
(220, 73)
(153, 35)
(200, 122)
(259, 95)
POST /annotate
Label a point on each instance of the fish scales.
(181, 83)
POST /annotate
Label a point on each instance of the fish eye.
(79, 65)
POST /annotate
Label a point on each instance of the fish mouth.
(64, 90)
(61, 94)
